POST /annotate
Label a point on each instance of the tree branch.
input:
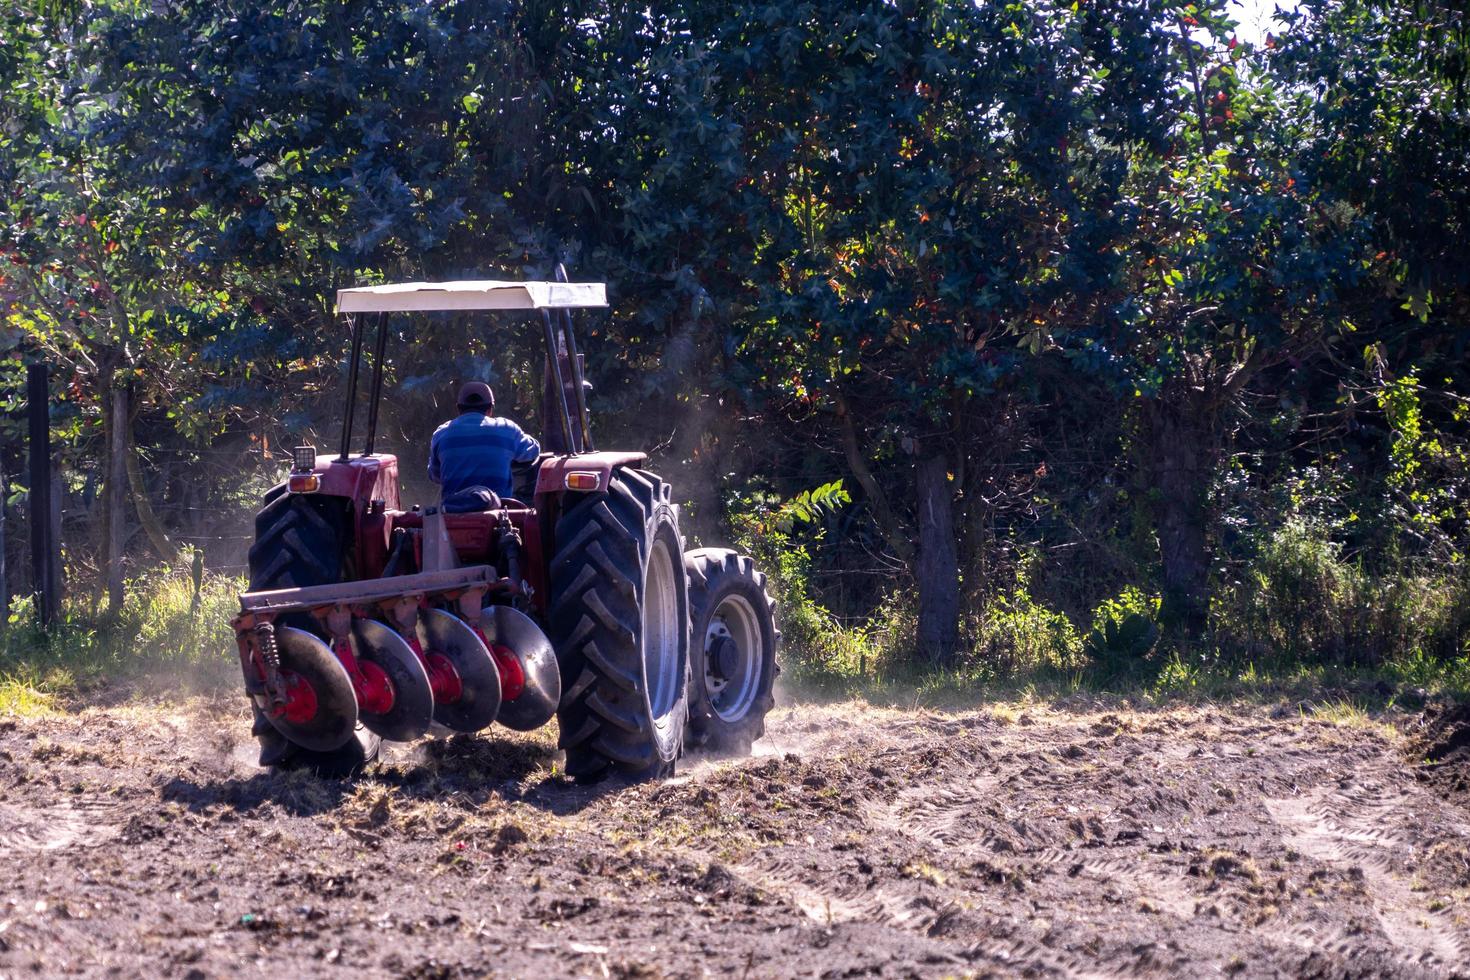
(877, 499)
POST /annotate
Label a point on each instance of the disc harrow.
(399, 654)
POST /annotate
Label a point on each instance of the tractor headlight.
(303, 459)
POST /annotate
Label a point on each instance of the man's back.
(476, 450)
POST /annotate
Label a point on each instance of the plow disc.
(320, 712)
(511, 633)
(478, 701)
(407, 703)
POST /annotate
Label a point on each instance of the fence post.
(56, 584)
(4, 582)
(116, 490)
(38, 408)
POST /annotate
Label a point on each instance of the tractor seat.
(471, 500)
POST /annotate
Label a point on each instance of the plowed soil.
(1041, 842)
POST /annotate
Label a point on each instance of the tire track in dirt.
(942, 833)
(922, 916)
(50, 828)
(1048, 842)
(889, 876)
(1356, 825)
(972, 818)
(1165, 820)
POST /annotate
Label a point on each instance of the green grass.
(1334, 693)
(1344, 712)
(19, 698)
(160, 642)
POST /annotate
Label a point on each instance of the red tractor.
(366, 620)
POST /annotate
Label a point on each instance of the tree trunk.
(1180, 441)
(4, 581)
(877, 499)
(146, 517)
(57, 585)
(937, 569)
(115, 499)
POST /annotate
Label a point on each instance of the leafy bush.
(816, 646)
(1016, 633)
(1300, 599)
(1124, 633)
(170, 623)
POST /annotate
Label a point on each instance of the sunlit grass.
(1344, 712)
(164, 633)
(19, 699)
(1341, 695)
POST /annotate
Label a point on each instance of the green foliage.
(807, 507)
(1102, 260)
(1017, 634)
(818, 648)
(1302, 600)
(1124, 632)
(162, 642)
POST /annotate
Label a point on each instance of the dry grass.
(21, 700)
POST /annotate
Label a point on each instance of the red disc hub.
(374, 689)
(370, 683)
(443, 678)
(300, 706)
(512, 677)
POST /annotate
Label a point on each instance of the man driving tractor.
(476, 449)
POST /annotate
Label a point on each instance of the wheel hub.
(724, 656)
(732, 669)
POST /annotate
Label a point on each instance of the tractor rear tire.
(732, 651)
(301, 541)
(619, 617)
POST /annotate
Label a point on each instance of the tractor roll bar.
(376, 397)
(356, 355)
(574, 359)
(553, 367)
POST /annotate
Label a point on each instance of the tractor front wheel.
(619, 617)
(732, 660)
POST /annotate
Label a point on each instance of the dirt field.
(142, 842)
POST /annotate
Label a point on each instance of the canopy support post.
(376, 397)
(356, 355)
(574, 361)
(554, 375)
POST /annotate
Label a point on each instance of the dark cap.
(475, 395)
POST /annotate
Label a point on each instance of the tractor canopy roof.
(470, 294)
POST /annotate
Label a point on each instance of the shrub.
(1016, 633)
(1124, 633)
(169, 623)
(1300, 599)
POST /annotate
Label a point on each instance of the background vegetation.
(1078, 337)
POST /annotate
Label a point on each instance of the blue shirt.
(476, 450)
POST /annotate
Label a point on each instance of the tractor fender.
(552, 476)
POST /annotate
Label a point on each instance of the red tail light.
(582, 480)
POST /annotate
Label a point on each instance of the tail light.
(582, 480)
(304, 483)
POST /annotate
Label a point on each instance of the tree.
(1230, 265)
(912, 202)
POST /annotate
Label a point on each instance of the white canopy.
(478, 294)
